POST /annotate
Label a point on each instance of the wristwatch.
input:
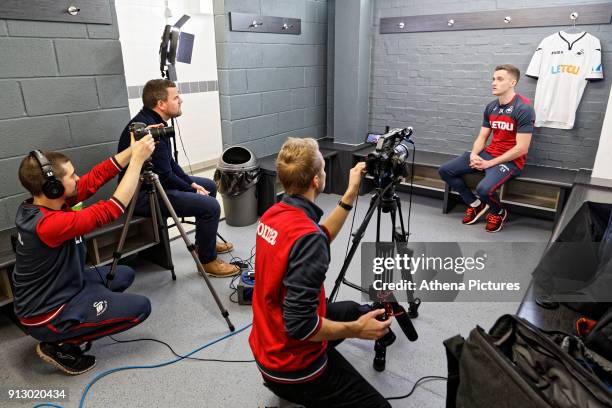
(346, 206)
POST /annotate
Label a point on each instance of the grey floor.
(185, 315)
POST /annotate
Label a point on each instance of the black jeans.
(340, 385)
(206, 210)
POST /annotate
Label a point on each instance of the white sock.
(476, 203)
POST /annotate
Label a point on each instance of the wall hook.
(507, 19)
(73, 10)
(450, 22)
(256, 24)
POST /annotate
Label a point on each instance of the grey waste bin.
(236, 178)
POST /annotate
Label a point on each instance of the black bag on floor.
(600, 338)
(518, 365)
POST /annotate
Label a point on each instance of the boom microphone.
(404, 321)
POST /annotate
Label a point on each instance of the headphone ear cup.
(53, 188)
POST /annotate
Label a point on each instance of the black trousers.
(205, 209)
(340, 385)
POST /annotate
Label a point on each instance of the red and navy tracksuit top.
(50, 252)
(289, 298)
(517, 116)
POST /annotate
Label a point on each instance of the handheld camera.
(140, 130)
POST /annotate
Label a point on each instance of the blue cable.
(114, 370)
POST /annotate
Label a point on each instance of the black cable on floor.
(416, 384)
(178, 355)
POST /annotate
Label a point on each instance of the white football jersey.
(563, 63)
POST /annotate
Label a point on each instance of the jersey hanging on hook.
(563, 63)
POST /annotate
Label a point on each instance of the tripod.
(154, 187)
(384, 200)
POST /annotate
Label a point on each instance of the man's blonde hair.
(297, 163)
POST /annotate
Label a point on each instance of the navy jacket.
(171, 176)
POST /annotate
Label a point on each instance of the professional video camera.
(387, 165)
(388, 162)
(140, 130)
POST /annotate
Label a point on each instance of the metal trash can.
(236, 178)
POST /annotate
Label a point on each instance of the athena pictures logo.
(100, 307)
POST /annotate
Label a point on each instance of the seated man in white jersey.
(510, 119)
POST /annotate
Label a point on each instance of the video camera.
(140, 130)
(388, 162)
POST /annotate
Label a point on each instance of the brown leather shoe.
(224, 247)
(220, 269)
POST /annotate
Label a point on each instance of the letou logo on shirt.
(565, 69)
(502, 125)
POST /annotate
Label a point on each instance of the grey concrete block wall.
(63, 88)
(272, 86)
(439, 82)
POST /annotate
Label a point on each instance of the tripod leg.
(413, 303)
(357, 236)
(401, 219)
(118, 252)
(393, 213)
(379, 209)
(159, 222)
(192, 249)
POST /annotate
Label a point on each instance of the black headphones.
(52, 187)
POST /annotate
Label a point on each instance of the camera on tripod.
(140, 130)
(388, 162)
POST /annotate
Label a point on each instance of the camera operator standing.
(189, 195)
(295, 331)
(57, 300)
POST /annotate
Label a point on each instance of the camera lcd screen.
(372, 138)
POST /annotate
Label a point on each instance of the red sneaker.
(474, 213)
(495, 222)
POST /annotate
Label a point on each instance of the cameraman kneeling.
(294, 331)
(58, 300)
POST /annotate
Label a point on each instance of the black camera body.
(387, 163)
(140, 130)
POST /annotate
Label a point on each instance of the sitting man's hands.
(478, 163)
(199, 189)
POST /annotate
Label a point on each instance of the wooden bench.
(7, 262)
(539, 191)
(269, 189)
